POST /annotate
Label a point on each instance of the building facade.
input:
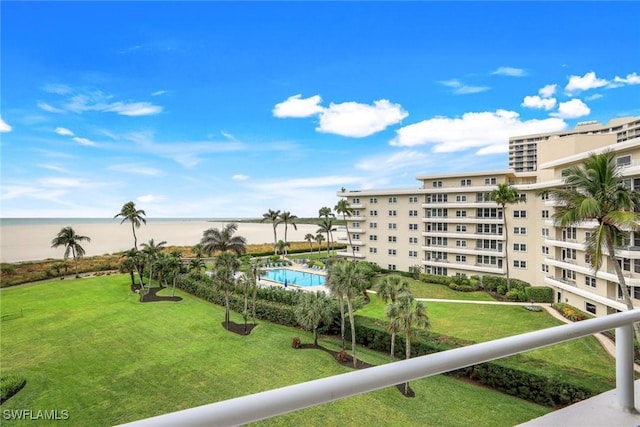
(449, 225)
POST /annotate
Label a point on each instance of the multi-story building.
(450, 226)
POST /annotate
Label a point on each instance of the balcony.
(349, 254)
(611, 408)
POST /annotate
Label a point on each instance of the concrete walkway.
(606, 342)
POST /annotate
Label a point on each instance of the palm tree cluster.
(276, 218)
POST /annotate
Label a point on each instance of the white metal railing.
(270, 403)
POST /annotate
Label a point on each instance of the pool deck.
(296, 267)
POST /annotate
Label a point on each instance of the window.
(636, 265)
(489, 213)
(355, 201)
(490, 181)
(373, 237)
(483, 197)
(440, 271)
(392, 239)
(373, 225)
(391, 251)
(393, 213)
(413, 254)
(623, 161)
(355, 237)
(520, 230)
(413, 213)
(590, 308)
(437, 212)
(544, 196)
(413, 227)
(393, 200)
(413, 240)
(545, 232)
(590, 281)
(569, 234)
(373, 213)
(569, 255)
(461, 213)
(520, 247)
(545, 268)
(392, 226)
(545, 250)
(373, 200)
(461, 258)
(523, 197)
(461, 228)
(391, 266)
(460, 198)
(436, 198)
(356, 248)
(373, 250)
(356, 225)
(461, 243)
(465, 182)
(488, 244)
(356, 213)
(436, 184)
(489, 260)
(545, 214)
(413, 199)
(489, 229)
(519, 264)
(519, 214)
(625, 263)
(437, 226)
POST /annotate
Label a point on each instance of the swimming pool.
(294, 277)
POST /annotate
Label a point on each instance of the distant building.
(449, 226)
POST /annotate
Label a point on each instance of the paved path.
(606, 342)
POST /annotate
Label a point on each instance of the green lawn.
(485, 322)
(430, 290)
(88, 346)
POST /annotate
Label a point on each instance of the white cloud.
(462, 89)
(240, 177)
(84, 141)
(594, 96)
(510, 71)
(63, 131)
(61, 182)
(150, 198)
(287, 185)
(296, 106)
(572, 109)
(133, 109)
(547, 91)
(159, 92)
(135, 169)
(357, 120)
(586, 82)
(54, 168)
(398, 160)
(4, 126)
(58, 89)
(474, 129)
(49, 108)
(631, 79)
(537, 102)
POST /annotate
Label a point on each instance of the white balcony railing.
(280, 401)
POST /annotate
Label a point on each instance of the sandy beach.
(33, 242)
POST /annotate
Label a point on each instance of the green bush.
(570, 312)
(516, 295)
(539, 294)
(434, 278)
(10, 385)
(501, 289)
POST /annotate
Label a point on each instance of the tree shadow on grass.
(239, 328)
(347, 362)
(152, 295)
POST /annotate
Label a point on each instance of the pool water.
(294, 277)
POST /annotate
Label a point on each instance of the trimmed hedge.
(434, 278)
(539, 294)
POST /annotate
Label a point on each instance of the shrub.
(434, 278)
(516, 295)
(342, 356)
(296, 342)
(10, 385)
(570, 312)
(501, 289)
(539, 294)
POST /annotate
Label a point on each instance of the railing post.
(624, 368)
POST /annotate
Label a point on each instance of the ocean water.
(8, 222)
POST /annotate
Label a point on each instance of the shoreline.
(19, 243)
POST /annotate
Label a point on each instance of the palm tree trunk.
(407, 349)
(393, 345)
(341, 302)
(285, 239)
(353, 333)
(346, 225)
(506, 244)
(275, 240)
(253, 302)
(135, 239)
(173, 293)
(226, 305)
(622, 281)
(315, 336)
(75, 259)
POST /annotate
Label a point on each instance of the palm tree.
(326, 226)
(136, 216)
(282, 247)
(347, 280)
(343, 207)
(596, 192)
(388, 290)
(198, 250)
(505, 195)
(223, 240)
(197, 264)
(309, 238)
(286, 218)
(274, 217)
(313, 309)
(226, 265)
(319, 239)
(68, 238)
(392, 313)
(151, 251)
(133, 263)
(409, 316)
(325, 212)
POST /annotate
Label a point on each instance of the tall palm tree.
(319, 239)
(309, 238)
(68, 238)
(226, 265)
(325, 212)
(505, 195)
(133, 263)
(287, 218)
(326, 226)
(312, 309)
(273, 217)
(223, 240)
(151, 251)
(410, 316)
(343, 207)
(595, 191)
(388, 290)
(136, 216)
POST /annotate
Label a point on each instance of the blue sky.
(227, 109)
